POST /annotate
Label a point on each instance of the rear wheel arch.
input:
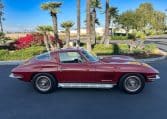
(36, 73)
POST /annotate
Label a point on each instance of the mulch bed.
(144, 56)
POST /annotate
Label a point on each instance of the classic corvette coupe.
(77, 68)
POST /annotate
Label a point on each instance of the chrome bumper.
(15, 76)
(153, 79)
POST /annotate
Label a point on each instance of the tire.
(132, 83)
(44, 83)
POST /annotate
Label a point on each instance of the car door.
(73, 67)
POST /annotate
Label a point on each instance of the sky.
(25, 15)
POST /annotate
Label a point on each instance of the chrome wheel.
(43, 83)
(132, 83)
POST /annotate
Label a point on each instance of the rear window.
(44, 56)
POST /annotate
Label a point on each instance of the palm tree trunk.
(46, 42)
(88, 25)
(55, 28)
(68, 38)
(50, 43)
(78, 22)
(1, 24)
(93, 26)
(106, 30)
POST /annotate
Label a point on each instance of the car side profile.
(77, 68)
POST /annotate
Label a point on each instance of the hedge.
(21, 54)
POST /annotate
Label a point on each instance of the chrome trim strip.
(85, 85)
(13, 76)
(106, 80)
(156, 78)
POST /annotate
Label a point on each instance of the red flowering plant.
(28, 40)
(23, 42)
(32, 39)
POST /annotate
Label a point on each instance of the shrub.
(119, 38)
(101, 49)
(24, 42)
(150, 48)
(150, 32)
(31, 39)
(98, 38)
(131, 36)
(140, 35)
(138, 51)
(124, 49)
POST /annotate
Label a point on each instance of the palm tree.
(45, 31)
(88, 24)
(78, 21)
(53, 8)
(67, 26)
(106, 30)
(95, 4)
(1, 15)
(112, 14)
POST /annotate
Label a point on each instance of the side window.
(44, 57)
(70, 57)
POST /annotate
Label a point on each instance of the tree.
(144, 16)
(67, 26)
(88, 24)
(53, 8)
(149, 19)
(112, 15)
(78, 21)
(45, 31)
(1, 15)
(106, 30)
(158, 22)
(95, 4)
(127, 20)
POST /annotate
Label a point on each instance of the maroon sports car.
(77, 68)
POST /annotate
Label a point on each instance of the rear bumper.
(153, 78)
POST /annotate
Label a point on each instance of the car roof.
(70, 49)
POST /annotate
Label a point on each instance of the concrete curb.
(17, 62)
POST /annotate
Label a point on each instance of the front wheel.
(132, 83)
(44, 83)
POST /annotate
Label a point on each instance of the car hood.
(117, 59)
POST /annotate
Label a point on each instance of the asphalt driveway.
(18, 100)
(160, 41)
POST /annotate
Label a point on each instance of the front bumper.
(12, 75)
(154, 78)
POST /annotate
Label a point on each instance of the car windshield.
(90, 56)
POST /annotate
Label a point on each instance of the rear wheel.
(44, 83)
(132, 83)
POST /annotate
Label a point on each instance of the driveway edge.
(147, 60)
(17, 62)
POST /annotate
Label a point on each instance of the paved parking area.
(18, 100)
